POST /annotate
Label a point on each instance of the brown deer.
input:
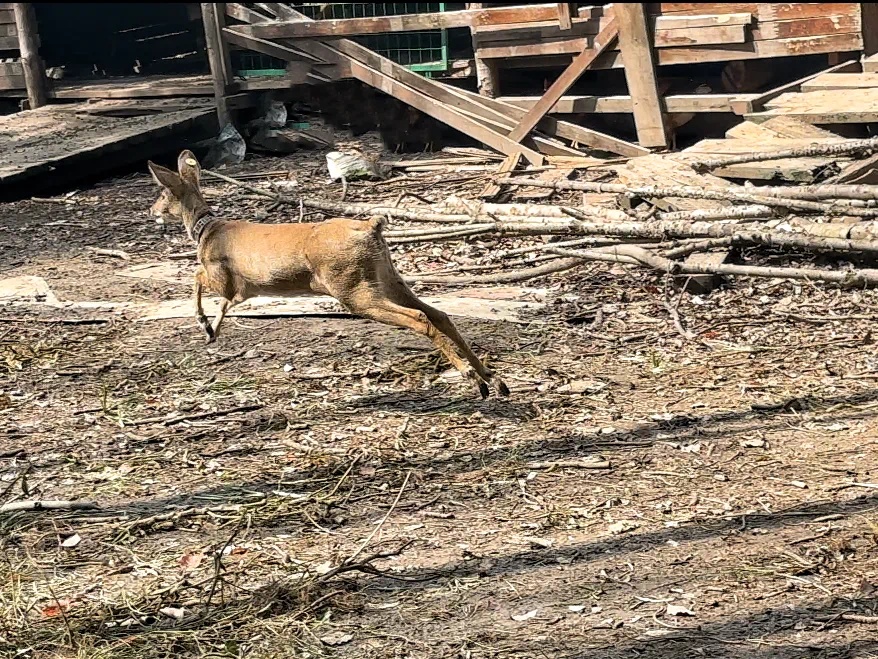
(347, 259)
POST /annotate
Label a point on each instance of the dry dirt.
(736, 516)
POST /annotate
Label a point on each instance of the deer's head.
(180, 197)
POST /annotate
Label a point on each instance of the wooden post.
(638, 58)
(564, 20)
(486, 69)
(869, 22)
(213, 16)
(31, 62)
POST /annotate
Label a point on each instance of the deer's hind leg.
(397, 291)
(373, 304)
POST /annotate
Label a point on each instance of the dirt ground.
(324, 487)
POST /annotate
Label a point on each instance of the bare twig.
(47, 505)
(350, 559)
(192, 417)
(864, 147)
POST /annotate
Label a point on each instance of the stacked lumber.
(686, 33)
(11, 72)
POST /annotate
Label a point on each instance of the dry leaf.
(173, 612)
(525, 616)
(752, 443)
(191, 561)
(71, 541)
(622, 526)
(576, 608)
(56, 608)
(336, 638)
(674, 610)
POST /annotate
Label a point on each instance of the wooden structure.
(567, 42)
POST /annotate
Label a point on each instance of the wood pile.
(686, 33)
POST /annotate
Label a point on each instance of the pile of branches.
(826, 218)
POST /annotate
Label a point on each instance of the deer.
(343, 258)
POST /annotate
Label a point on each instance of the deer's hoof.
(209, 334)
(502, 389)
(483, 390)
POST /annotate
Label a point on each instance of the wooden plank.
(746, 106)
(699, 20)
(764, 11)
(8, 30)
(7, 15)
(778, 127)
(637, 53)
(31, 62)
(806, 27)
(9, 43)
(570, 75)
(574, 40)
(346, 27)
(834, 43)
(234, 36)
(825, 107)
(70, 144)
(564, 19)
(840, 81)
(509, 164)
(587, 104)
(870, 64)
(12, 68)
(12, 82)
(244, 14)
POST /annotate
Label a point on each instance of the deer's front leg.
(225, 305)
(199, 310)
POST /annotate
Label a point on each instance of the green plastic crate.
(425, 51)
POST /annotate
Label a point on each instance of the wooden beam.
(565, 22)
(234, 36)
(869, 22)
(34, 69)
(570, 75)
(635, 43)
(213, 17)
(588, 104)
(508, 165)
(347, 27)
(486, 69)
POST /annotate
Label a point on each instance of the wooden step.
(856, 106)
(836, 81)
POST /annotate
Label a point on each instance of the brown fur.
(347, 259)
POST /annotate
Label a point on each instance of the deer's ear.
(167, 179)
(190, 170)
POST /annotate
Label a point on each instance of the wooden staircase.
(838, 97)
(11, 71)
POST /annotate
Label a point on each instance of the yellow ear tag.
(191, 162)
